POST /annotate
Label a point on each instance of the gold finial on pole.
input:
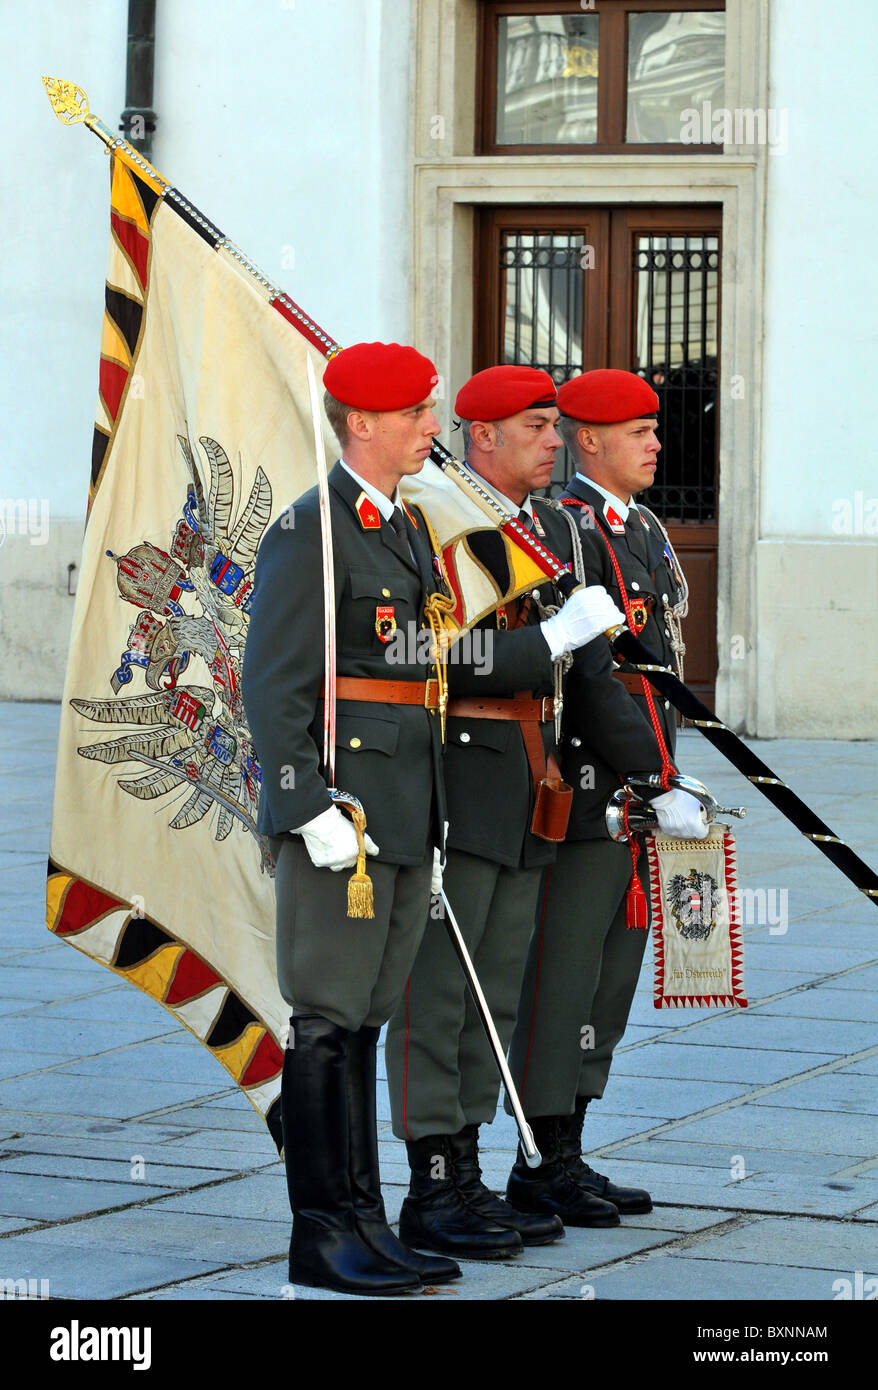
(69, 102)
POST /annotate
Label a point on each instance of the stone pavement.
(130, 1169)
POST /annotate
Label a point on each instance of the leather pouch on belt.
(554, 801)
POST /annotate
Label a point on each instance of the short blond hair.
(337, 414)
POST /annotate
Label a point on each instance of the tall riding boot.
(628, 1201)
(326, 1250)
(549, 1189)
(534, 1230)
(369, 1214)
(434, 1216)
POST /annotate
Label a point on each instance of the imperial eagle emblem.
(194, 601)
(692, 899)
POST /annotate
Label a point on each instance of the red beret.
(499, 392)
(607, 396)
(380, 376)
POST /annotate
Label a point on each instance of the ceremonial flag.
(203, 437)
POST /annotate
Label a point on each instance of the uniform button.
(464, 738)
(385, 593)
(575, 742)
(667, 634)
(534, 593)
(664, 598)
(667, 704)
(635, 584)
(355, 743)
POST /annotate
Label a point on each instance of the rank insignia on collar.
(370, 517)
(614, 521)
(385, 621)
(409, 513)
(538, 525)
(639, 615)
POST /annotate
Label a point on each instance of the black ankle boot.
(534, 1230)
(434, 1216)
(326, 1250)
(628, 1201)
(549, 1189)
(369, 1214)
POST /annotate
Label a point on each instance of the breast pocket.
(377, 605)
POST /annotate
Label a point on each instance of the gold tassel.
(361, 899)
(437, 610)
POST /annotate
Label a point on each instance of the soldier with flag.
(342, 976)
(591, 919)
(507, 810)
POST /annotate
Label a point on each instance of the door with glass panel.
(570, 289)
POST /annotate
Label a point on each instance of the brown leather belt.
(521, 709)
(424, 693)
(632, 683)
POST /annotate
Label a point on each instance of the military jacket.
(388, 755)
(488, 778)
(607, 732)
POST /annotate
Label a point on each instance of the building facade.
(677, 187)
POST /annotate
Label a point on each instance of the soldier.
(500, 746)
(587, 945)
(342, 977)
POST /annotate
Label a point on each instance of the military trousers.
(579, 980)
(441, 1071)
(351, 970)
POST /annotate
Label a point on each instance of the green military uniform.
(441, 1071)
(388, 755)
(583, 963)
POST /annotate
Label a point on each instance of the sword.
(532, 1155)
(360, 898)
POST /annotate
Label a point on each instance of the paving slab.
(851, 1094)
(262, 1197)
(39, 1149)
(677, 1278)
(155, 1062)
(705, 1062)
(134, 1169)
(721, 1156)
(92, 1095)
(659, 1098)
(72, 1274)
(844, 1004)
(753, 1028)
(215, 1240)
(33, 1032)
(44, 1198)
(796, 1243)
(770, 1126)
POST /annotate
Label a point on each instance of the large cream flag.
(203, 437)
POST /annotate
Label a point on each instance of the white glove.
(586, 614)
(680, 814)
(331, 840)
(436, 880)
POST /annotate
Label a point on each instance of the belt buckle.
(431, 702)
(544, 718)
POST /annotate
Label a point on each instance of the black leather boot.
(326, 1250)
(628, 1201)
(534, 1230)
(549, 1189)
(435, 1216)
(369, 1214)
